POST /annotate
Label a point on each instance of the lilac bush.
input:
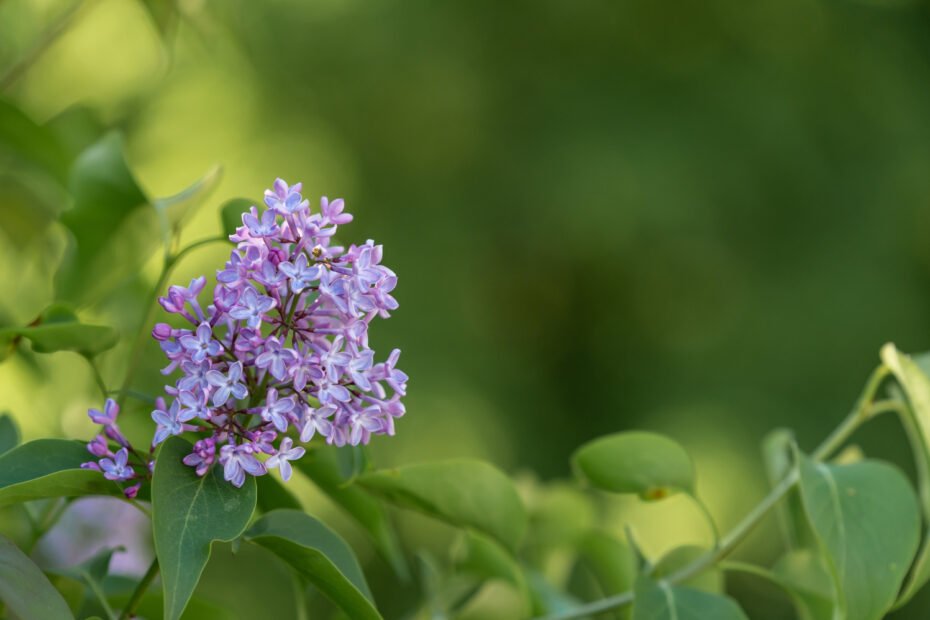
(280, 353)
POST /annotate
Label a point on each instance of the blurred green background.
(698, 218)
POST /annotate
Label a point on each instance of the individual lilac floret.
(280, 354)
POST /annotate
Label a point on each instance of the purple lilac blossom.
(280, 354)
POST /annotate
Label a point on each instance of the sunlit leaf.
(650, 465)
(174, 211)
(9, 433)
(25, 590)
(319, 555)
(465, 493)
(867, 521)
(59, 330)
(189, 513)
(49, 468)
(322, 467)
(231, 214)
(661, 601)
(612, 562)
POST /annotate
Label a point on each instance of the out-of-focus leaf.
(231, 214)
(912, 376)
(273, 495)
(164, 14)
(559, 517)
(867, 521)
(661, 601)
(174, 211)
(321, 466)
(547, 599)
(803, 574)
(484, 557)
(9, 433)
(465, 493)
(650, 465)
(25, 590)
(612, 563)
(59, 330)
(111, 221)
(22, 139)
(49, 468)
(777, 452)
(319, 555)
(710, 580)
(189, 513)
(76, 128)
(91, 573)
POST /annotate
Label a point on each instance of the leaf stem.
(861, 412)
(139, 592)
(98, 378)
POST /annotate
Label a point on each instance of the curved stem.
(135, 354)
(862, 412)
(139, 592)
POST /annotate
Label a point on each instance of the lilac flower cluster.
(283, 348)
(124, 465)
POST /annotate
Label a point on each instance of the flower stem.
(861, 412)
(139, 592)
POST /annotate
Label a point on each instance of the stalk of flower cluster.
(281, 353)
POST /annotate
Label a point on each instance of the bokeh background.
(697, 218)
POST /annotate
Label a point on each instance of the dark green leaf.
(661, 601)
(319, 555)
(650, 465)
(9, 433)
(231, 214)
(91, 573)
(189, 513)
(867, 521)
(710, 580)
(49, 468)
(322, 467)
(273, 495)
(23, 139)
(25, 589)
(465, 493)
(111, 221)
(76, 128)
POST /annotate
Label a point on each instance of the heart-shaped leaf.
(25, 589)
(650, 465)
(867, 521)
(189, 512)
(662, 601)
(319, 555)
(465, 493)
(49, 468)
(323, 468)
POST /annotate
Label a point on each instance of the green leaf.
(867, 521)
(806, 578)
(465, 493)
(174, 211)
(661, 601)
(49, 468)
(710, 580)
(650, 465)
(22, 139)
(559, 517)
(189, 512)
(27, 592)
(92, 572)
(318, 554)
(272, 494)
(58, 329)
(777, 451)
(231, 214)
(164, 15)
(9, 433)
(111, 222)
(322, 467)
(612, 562)
(482, 556)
